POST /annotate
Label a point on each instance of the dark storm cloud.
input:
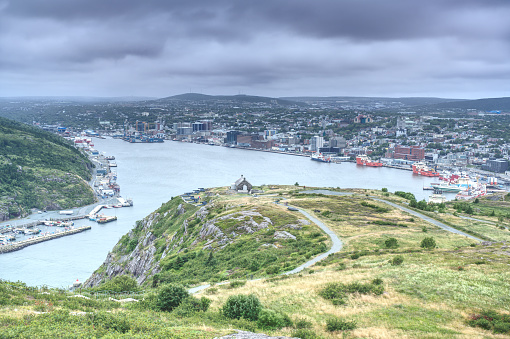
(260, 45)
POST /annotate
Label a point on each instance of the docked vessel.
(421, 168)
(437, 197)
(364, 160)
(472, 192)
(462, 184)
(320, 157)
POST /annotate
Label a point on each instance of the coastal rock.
(283, 235)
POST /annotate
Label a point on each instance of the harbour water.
(151, 174)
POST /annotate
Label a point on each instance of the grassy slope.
(190, 261)
(40, 170)
(430, 295)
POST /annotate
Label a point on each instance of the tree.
(428, 242)
(170, 296)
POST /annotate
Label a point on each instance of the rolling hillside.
(397, 276)
(39, 170)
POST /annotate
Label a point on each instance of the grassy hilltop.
(39, 170)
(396, 275)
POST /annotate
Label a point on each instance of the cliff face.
(184, 243)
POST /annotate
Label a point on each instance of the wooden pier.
(24, 243)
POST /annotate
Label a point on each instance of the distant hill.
(489, 104)
(410, 101)
(39, 170)
(240, 98)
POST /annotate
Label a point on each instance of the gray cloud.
(158, 47)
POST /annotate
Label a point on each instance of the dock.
(22, 244)
(104, 219)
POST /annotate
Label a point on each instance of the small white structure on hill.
(241, 185)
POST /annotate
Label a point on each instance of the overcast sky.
(442, 48)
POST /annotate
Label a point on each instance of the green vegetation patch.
(413, 318)
(40, 170)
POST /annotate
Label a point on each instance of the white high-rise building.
(316, 142)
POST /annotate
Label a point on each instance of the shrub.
(428, 242)
(305, 334)
(377, 281)
(337, 324)
(341, 266)
(384, 189)
(192, 305)
(237, 283)
(491, 320)
(398, 260)
(242, 306)
(302, 323)
(122, 283)
(337, 292)
(355, 256)
(274, 269)
(170, 296)
(109, 321)
(391, 243)
(269, 319)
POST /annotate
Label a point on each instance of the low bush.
(242, 306)
(491, 320)
(269, 319)
(338, 292)
(337, 324)
(398, 260)
(110, 321)
(122, 283)
(377, 281)
(237, 283)
(428, 242)
(192, 305)
(305, 334)
(391, 243)
(341, 266)
(302, 323)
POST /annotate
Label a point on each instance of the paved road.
(430, 220)
(336, 247)
(416, 214)
(337, 243)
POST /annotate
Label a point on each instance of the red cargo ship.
(422, 169)
(364, 160)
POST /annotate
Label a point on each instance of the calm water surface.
(151, 174)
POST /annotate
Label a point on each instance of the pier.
(22, 244)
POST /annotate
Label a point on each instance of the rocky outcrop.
(140, 263)
(138, 254)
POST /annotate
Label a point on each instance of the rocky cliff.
(187, 243)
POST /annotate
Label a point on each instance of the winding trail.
(336, 242)
(336, 247)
